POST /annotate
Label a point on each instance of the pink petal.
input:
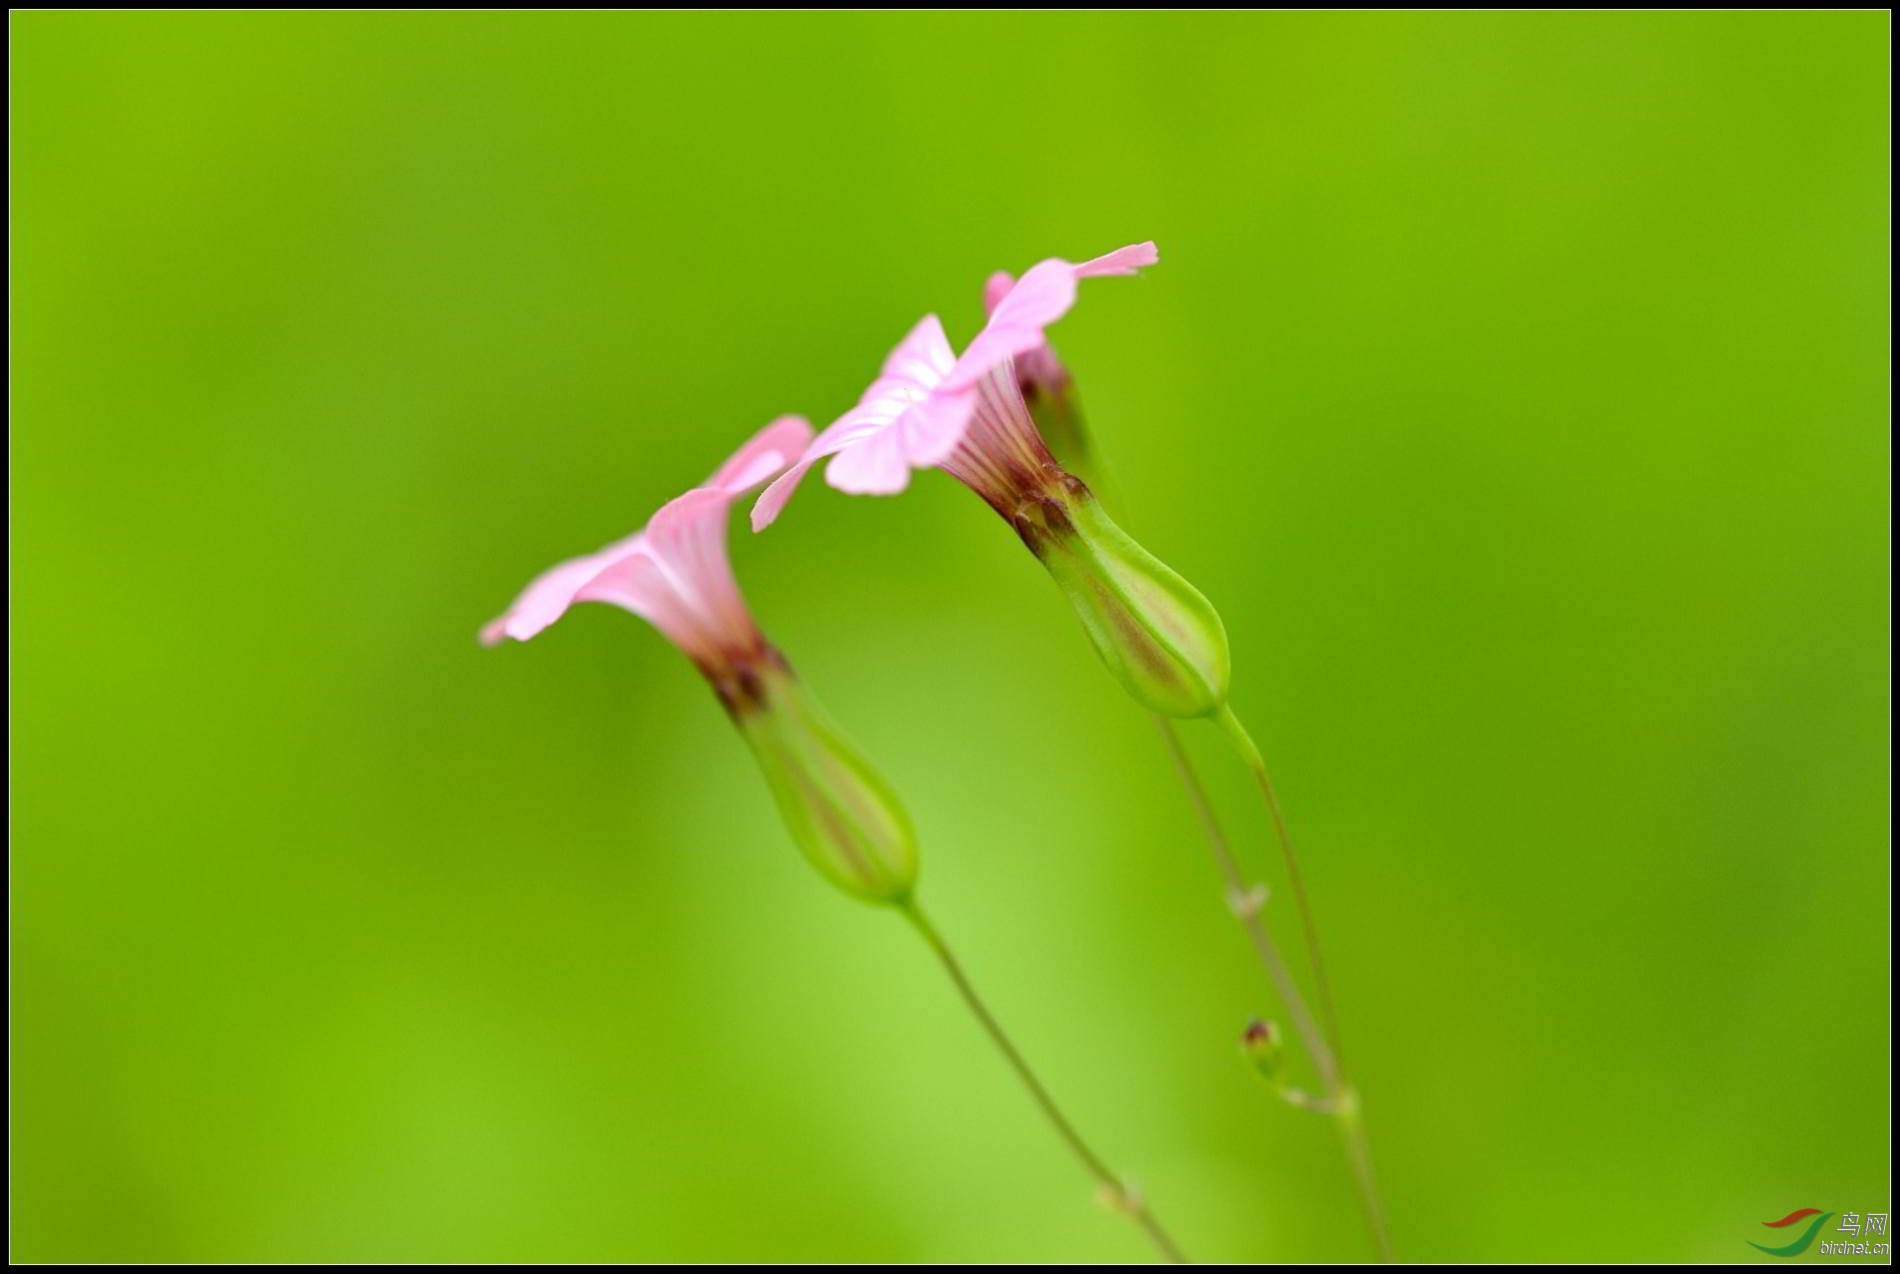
(995, 288)
(774, 498)
(681, 580)
(769, 451)
(933, 430)
(1044, 294)
(843, 432)
(687, 538)
(673, 573)
(635, 583)
(1121, 261)
(1019, 313)
(549, 594)
(688, 524)
(1040, 297)
(923, 357)
(897, 425)
(875, 464)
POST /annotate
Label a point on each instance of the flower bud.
(843, 816)
(1159, 637)
(1262, 1044)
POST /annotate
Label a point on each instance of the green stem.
(1244, 744)
(1245, 910)
(1342, 1100)
(1352, 1128)
(1122, 1198)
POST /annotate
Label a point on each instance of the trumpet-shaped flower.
(968, 416)
(918, 414)
(673, 572)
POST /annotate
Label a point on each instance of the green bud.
(844, 817)
(1159, 637)
(1262, 1044)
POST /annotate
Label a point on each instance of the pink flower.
(1036, 364)
(674, 572)
(918, 413)
(1019, 314)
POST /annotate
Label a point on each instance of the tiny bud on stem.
(1265, 1048)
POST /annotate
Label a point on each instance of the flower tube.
(675, 574)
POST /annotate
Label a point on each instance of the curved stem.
(1246, 911)
(1244, 744)
(1341, 1101)
(1121, 1197)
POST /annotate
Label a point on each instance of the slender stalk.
(1246, 907)
(1244, 744)
(1352, 1129)
(1341, 1100)
(1120, 1197)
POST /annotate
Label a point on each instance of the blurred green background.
(1514, 383)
